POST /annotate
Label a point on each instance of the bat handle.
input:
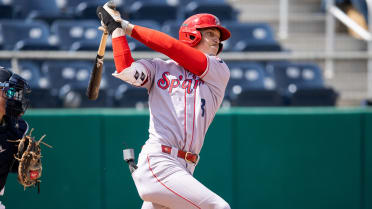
(102, 45)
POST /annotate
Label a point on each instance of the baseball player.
(13, 104)
(185, 93)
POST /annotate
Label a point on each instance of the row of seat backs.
(83, 35)
(63, 84)
(278, 83)
(158, 10)
(250, 84)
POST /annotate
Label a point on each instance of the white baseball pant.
(165, 181)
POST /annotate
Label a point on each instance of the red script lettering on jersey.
(178, 82)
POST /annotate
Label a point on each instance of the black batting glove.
(107, 20)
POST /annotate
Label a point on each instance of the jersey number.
(202, 106)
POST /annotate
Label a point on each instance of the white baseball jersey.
(183, 105)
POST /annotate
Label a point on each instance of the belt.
(188, 156)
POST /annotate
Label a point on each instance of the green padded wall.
(132, 129)
(72, 169)
(367, 160)
(215, 168)
(254, 158)
(297, 159)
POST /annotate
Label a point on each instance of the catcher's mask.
(15, 90)
(189, 32)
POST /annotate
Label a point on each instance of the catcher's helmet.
(189, 33)
(15, 90)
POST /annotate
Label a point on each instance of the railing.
(330, 55)
(334, 12)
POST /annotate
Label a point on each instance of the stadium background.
(294, 130)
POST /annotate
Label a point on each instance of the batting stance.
(13, 103)
(184, 96)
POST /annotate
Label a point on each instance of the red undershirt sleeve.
(122, 55)
(191, 59)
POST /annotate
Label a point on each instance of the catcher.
(13, 104)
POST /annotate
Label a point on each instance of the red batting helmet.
(189, 33)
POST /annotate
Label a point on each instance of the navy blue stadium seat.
(302, 84)
(47, 11)
(5, 63)
(130, 96)
(250, 37)
(6, 9)
(184, 2)
(70, 79)
(77, 35)
(67, 72)
(222, 10)
(86, 9)
(159, 11)
(121, 93)
(41, 95)
(26, 35)
(135, 45)
(249, 86)
(171, 28)
(112, 83)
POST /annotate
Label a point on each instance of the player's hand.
(109, 16)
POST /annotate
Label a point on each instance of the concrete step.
(274, 1)
(350, 81)
(317, 42)
(297, 23)
(273, 9)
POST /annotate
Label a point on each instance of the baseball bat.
(96, 74)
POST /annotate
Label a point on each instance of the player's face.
(209, 43)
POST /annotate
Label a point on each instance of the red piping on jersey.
(122, 55)
(193, 121)
(190, 58)
(148, 161)
(185, 126)
(206, 72)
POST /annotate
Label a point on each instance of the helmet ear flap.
(197, 38)
(190, 37)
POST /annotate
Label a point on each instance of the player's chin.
(213, 50)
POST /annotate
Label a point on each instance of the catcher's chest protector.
(8, 149)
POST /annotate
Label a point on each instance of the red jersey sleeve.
(189, 58)
(122, 55)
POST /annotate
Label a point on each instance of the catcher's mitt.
(29, 157)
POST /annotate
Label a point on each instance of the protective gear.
(29, 157)
(15, 90)
(110, 17)
(190, 35)
(135, 75)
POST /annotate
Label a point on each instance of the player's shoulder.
(166, 64)
(158, 61)
(215, 59)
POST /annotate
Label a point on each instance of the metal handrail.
(334, 12)
(227, 56)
